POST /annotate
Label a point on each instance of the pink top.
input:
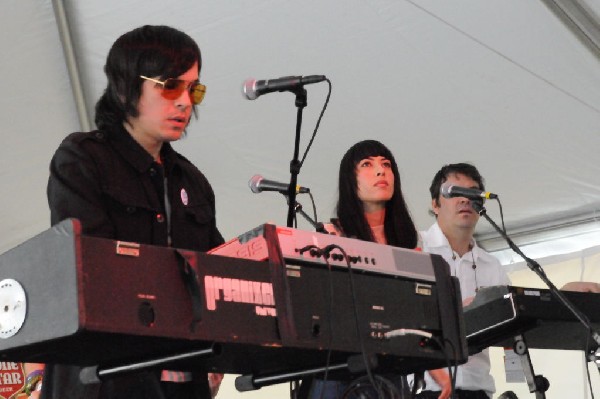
(376, 222)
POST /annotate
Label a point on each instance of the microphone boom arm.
(319, 228)
(537, 269)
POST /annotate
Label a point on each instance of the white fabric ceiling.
(500, 83)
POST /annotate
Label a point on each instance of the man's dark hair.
(150, 51)
(441, 176)
(399, 227)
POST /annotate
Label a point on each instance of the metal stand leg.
(249, 382)
(594, 357)
(95, 374)
(537, 383)
(354, 365)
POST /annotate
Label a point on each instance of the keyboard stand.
(537, 383)
(96, 374)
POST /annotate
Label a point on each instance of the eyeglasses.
(172, 89)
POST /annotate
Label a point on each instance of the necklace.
(473, 264)
(474, 267)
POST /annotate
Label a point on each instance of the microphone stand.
(537, 269)
(537, 384)
(319, 228)
(295, 165)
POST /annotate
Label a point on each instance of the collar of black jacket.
(135, 154)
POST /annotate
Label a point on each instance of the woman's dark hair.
(399, 228)
(150, 51)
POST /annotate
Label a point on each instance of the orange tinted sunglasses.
(172, 89)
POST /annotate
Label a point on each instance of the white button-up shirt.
(474, 270)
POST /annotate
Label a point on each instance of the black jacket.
(110, 183)
(117, 191)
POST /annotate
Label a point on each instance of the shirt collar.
(136, 155)
(435, 238)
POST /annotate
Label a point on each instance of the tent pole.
(71, 61)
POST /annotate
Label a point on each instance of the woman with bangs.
(370, 207)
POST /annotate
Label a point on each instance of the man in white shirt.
(452, 238)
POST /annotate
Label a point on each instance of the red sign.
(12, 379)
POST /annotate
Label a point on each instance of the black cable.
(300, 163)
(309, 247)
(312, 200)
(326, 251)
(329, 316)
(455, 363)
(361, 388)
(501, 214)
(318, 252)
(318, 123)
(448, 362)
(587, 369)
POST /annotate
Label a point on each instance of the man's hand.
(581, 286)
(442, 378)
(214, 382)
(467, 301)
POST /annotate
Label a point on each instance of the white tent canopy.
(508, 85)
(503, 84)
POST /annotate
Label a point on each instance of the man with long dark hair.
(125, 182)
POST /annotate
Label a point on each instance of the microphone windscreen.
(254, 183)
(445, 190)
(249, 89)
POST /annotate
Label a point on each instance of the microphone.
(449, 191)
(253, 88)
(258, 184)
